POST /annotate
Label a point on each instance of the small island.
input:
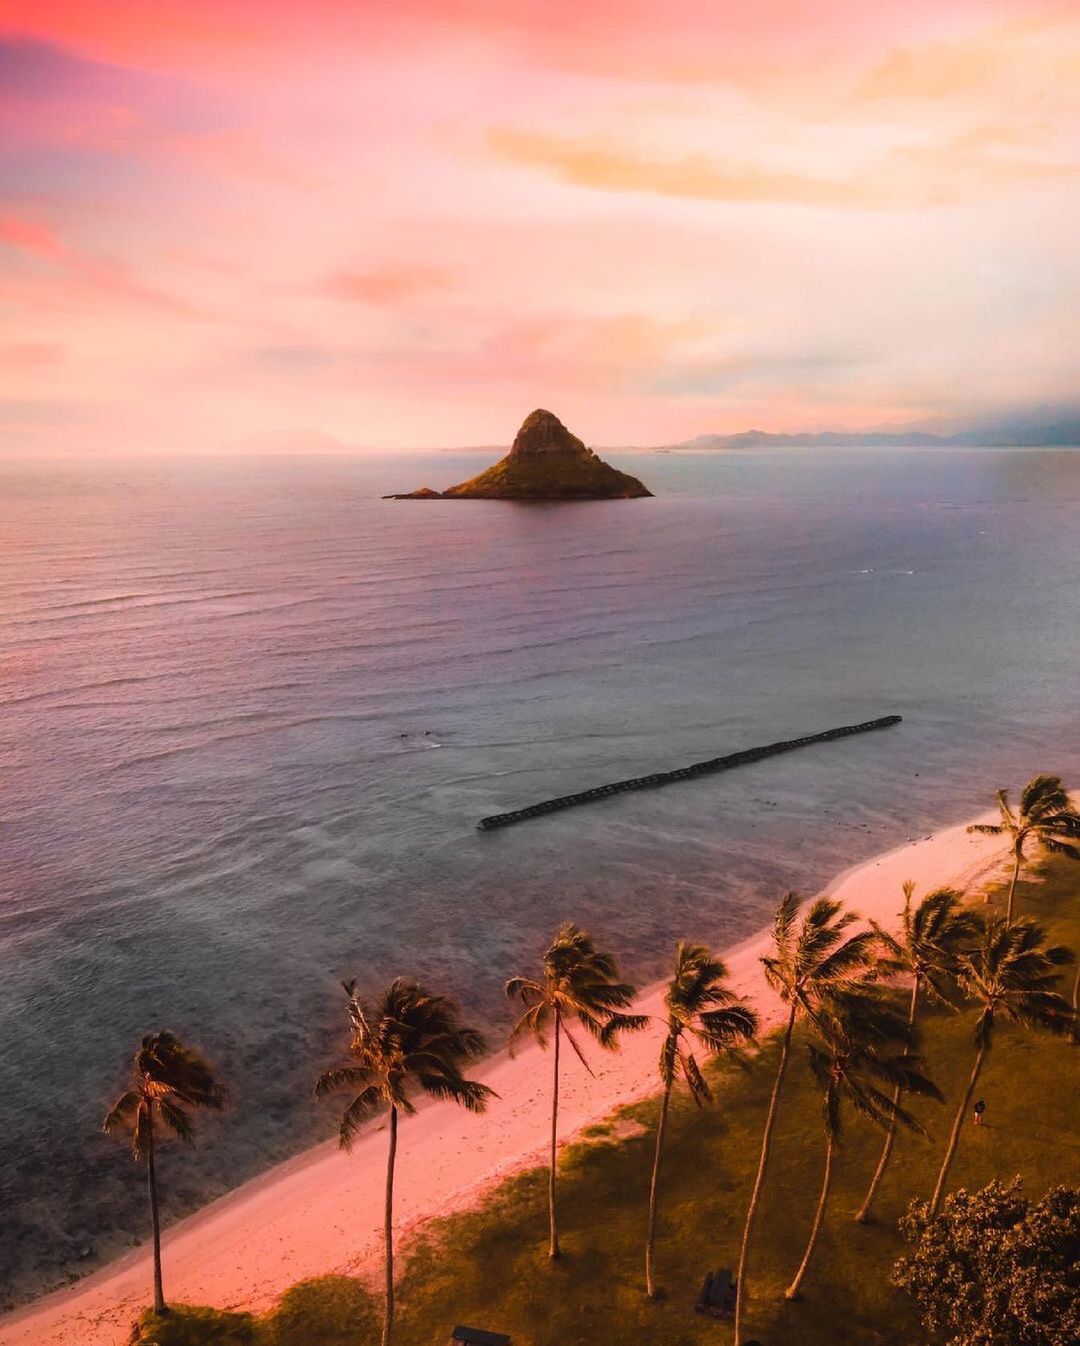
(546, 462)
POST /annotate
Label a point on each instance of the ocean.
(250, 715)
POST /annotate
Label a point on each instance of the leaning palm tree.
(855, 1053)
(1010, 974)
(406, 1041)
(931, 934)
(1044, 817)
(812, 960)
(700, 1008)
(168, 1079)
(579, 984)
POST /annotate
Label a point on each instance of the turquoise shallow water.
(250, 714)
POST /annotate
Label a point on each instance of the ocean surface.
(250, 714)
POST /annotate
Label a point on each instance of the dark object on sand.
(717, 1297)
(475, 1336)
(621, 787)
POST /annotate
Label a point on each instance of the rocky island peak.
(545, 462)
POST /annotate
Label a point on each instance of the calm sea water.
(250, 714)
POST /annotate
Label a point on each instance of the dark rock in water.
(546, 462)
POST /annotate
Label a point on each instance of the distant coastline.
(1061, 435)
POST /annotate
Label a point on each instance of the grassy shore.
(488, 1266)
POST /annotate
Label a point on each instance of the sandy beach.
(321, 1212)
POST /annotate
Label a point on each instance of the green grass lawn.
(489, 1267)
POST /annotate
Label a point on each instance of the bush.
(184, 1325)
(325, 1311)
(329, 1311)
(991, 1270)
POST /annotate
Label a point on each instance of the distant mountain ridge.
(1064, 434)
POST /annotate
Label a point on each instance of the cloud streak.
(964, 167)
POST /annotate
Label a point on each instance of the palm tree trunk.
(388, 1230)
(553, 1247)
(650, 1284)
(151, 1185)
(954, 1137)
(792, 1292)
(863, 1213)
(1012, 889)
(763, 1161)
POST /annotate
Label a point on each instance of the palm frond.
(888, 941)
(177, 1120)
(141, 1132)
(341, 1077)
(469, 1094)
(732, 1026)
(820, 932)
(669, 1056)
(1056, 847)
(585, 1018)
(857, 954)
(696, 1082)
(122, 1111)
(361, 1109)
(523, 988)
(1008, 818)
(784, 923)
(577, 1048)
(533, 1022)
(776, 976)
(879, 1107)
(1043, 795)
(618, 1024)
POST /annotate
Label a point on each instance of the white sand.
(322, 1211)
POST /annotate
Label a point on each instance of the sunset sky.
(240, 223)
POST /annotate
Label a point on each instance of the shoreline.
(320, 1212)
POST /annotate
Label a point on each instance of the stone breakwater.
(658, 778)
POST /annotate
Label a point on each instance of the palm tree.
(1009, 974)
(855, 1053)
(168, 1078)
(699, 1007)
(812, 960)
(1044, 817)
(577, 983)
(408, 1040)
(930, 936)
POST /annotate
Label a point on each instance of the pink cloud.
(686, 38)
(30, 236)
(32, 355)
(103, 275)
(389, 285)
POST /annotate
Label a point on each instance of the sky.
(239, 224)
